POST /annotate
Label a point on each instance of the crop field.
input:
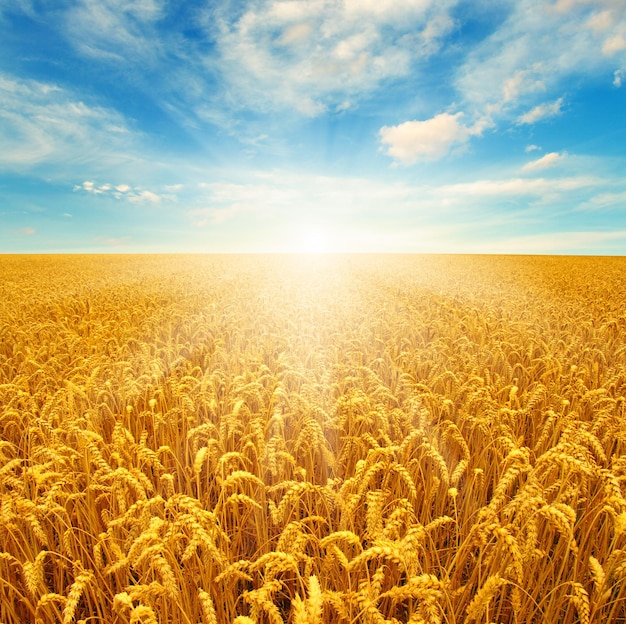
(312, 439)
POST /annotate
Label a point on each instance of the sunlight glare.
(313, 240)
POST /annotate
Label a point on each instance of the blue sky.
(488, 126)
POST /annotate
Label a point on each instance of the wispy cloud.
(43, 123)
(613, 45)
(542, 111)
(115, 29)
(519, 187)
(16, 6)
(286, 197)
(290, 196)
(549, 160)
(359, 214)
(602, 201)
(111, 241)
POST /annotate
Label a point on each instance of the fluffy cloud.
(431, 139)
(549, 160)
(311, 55)
(122, 191)
(93, 188)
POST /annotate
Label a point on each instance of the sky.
(412, 126)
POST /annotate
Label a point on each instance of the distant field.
(332, 439)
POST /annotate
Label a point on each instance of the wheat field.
(332, 439)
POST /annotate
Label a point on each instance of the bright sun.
(312, 240)
(315, 243)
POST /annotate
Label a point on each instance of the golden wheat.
(267, 440)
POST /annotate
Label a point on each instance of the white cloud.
(549, 160)
(40, 123)
(145, 196)
(431, 139)
(614, 44)
(532, 148)
(115, 29)
(604, 200)
(90, 187)
(601, 21)
(618, 77)
(522, 81)
(538, 49)
(385, 10)
(285, 196)
(296, 34)
(543, 111)
(124, 191)
(310, 56)
(520, 187)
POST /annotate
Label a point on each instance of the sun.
(315, 243)
(312, 239)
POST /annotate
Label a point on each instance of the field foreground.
(270, 440)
